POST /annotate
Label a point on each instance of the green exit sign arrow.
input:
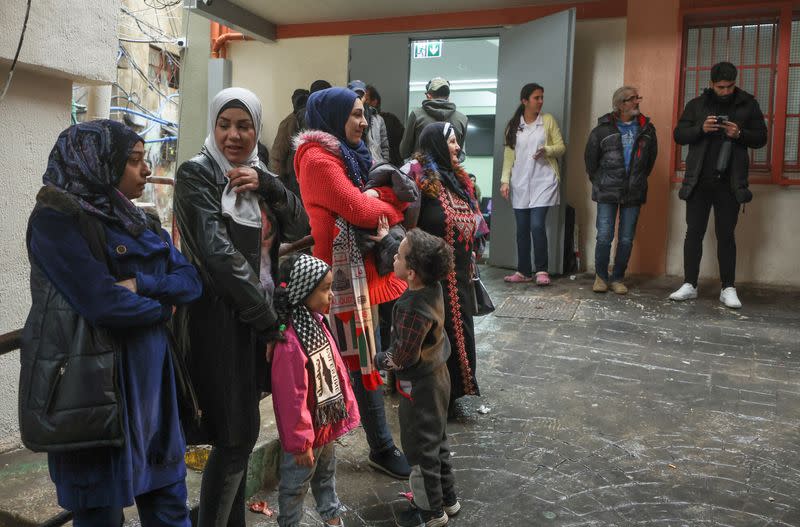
(428, 49)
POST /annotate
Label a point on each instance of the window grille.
(792, 149)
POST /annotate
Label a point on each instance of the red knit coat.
(328, 192)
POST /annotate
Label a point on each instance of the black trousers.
(423, 433)
(726, 213)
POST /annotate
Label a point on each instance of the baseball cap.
(360, 87)
(435, 84)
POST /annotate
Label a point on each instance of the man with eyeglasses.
(619, 156)
(719, 126)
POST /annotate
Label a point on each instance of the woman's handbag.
(483, 302)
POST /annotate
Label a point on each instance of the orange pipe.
(218, 48)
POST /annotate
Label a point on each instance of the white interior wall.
(597, 71)
(767, 244)
(274, 70)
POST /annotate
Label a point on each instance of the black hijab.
(433, 144)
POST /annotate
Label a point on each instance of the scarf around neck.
(243, 207)
(437, 166)
(306, 274)
(87, 162)
(328, 110)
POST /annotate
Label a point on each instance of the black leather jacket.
(747, 114)
(223, 334)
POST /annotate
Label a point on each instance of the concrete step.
(28, 496)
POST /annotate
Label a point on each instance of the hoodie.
(431, 111)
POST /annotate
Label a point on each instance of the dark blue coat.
(152, 456)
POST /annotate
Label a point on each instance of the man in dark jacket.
(437, 108)
(719, 126)
(619, 157)
(281, 155)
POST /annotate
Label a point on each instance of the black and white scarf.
(306, 274)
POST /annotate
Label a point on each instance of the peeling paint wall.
(64, 42)
(75, 39)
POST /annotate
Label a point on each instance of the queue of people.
(387, 287)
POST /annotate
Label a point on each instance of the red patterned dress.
(451, 217)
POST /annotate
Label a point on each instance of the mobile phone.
(722, 119)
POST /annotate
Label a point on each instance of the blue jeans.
(295, 481)
(606, 222)
(531, 225)
(164, 507)
(370, 406)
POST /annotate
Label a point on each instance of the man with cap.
(436, 108)
(375, 135)
(281, 155)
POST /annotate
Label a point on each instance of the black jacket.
(746, 114)
(224, 333)
(605, 162)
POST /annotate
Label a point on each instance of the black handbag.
(483, 302)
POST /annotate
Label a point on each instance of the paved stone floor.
(633, 411)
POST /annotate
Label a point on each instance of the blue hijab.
(328, 110)
(87, 162)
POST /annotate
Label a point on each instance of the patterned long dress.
(451, 218)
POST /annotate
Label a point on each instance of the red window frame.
(785, 12)
(795, 166)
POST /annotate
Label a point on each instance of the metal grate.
(557, 308)
(791, 154)
(752, 47)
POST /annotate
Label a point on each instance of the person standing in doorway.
(719, 126)
(435, 109)
(530, 179)
(619, 156)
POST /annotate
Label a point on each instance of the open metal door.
(383, 60)
(540, 51)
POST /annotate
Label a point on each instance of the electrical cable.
(16, 55)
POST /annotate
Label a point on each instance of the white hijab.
(242, 207)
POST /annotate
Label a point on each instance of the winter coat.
(67, 278)
(746, 114)
(605, 162)
(432, 111)
(281, 155)
(293, 402)
(377, 139)
(328, 193)
(394, 132)
(223, 334)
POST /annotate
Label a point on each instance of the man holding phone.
(719, 126)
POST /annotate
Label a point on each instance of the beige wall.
(273, 71)
(597, 72)
(767, 244)
(34, 112)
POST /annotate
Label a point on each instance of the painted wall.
(597, 72)
(273, 71)
(767, 244)
(75, 40)
(64, 42)
(36, 109)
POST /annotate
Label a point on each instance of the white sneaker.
(686, 292)
(729, 297)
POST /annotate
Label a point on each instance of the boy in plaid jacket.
(418, 354)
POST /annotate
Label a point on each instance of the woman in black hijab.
(449, 210)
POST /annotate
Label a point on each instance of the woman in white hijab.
(232, 215)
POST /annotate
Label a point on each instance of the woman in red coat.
(332, 164)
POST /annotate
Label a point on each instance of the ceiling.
(283, 12)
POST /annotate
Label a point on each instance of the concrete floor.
(633, 411)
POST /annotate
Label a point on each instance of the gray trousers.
(423, 434)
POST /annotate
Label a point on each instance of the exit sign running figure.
(428, 49)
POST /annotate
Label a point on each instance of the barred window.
(792, 149)
(752, 47)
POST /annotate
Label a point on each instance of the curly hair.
(429, 256)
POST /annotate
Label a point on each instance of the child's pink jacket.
(292, 400)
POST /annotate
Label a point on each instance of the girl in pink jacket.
(311, 393)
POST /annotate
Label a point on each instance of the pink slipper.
(517, 278)
(542, 278)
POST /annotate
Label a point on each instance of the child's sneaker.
(414, 517)
(451, 508)
(434, 518)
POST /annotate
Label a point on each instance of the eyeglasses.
(632, 98)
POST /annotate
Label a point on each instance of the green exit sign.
(428, 49)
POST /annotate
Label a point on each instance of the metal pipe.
(140, 114)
